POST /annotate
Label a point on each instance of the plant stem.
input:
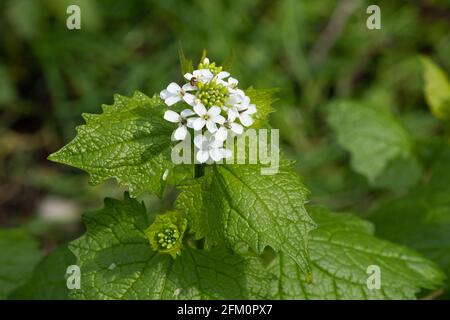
(199, 171)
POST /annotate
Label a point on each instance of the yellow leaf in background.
(437, 89)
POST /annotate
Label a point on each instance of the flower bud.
(165, 234)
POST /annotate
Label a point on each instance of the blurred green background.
(316, 52)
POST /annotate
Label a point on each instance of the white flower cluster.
(216, 105)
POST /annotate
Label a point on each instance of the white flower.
(222, 133)
(230, 106)
(207, 117)
(202, 75)
(235, 90)
(210, 149)
(238, 106)
(175, 93)
(182, 120)
(245, 111)
(231, 83)
(221, 75)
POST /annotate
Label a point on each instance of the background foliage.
(351, 108)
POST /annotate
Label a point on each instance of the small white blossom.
(202, 75)
(182, 120)
(221, 75)
(245, 112)
(230, 106)
(175, 93)
(207, 117)
(234, 90)
(210, 149)
(231, 83)
(222, 132)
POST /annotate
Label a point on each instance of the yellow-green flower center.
(167, 238)
(212, 94)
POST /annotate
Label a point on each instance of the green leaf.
(376, 141)
(236, 206)
(19, 254)
(129, 141)
(421, 219)
(117, 262)
(186, 64)
(263, 99)
(342, 248)
(399, 173)
(7, 90)
(229, 61)
(48, 281)
(436, 89)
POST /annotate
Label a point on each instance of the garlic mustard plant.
(229, 232)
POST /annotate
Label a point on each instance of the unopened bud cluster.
(168, 238)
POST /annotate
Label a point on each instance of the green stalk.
(199, 171)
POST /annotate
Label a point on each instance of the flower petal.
(214, 111)
(202, 156)
(214, 143)
(198, 124)
(188, 87)
(189, 98)
(219, 119)
(227, 153)
(240, 93)
(204, 75)
(236, 128)
(232, 81)
(164, 94)
(215, 154)
(188, 76)
(232, 114)
(251, 109)
(221, 134)
(211, 125)
(222, 75)
(172, 116)
(246, 120)
(180, 133)
(218, 154)
(173, 88)
(200, 109)
(187, 113)
(190, 122)
(172, 100)
(233, 100)
(200, 141)
(245, 102)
